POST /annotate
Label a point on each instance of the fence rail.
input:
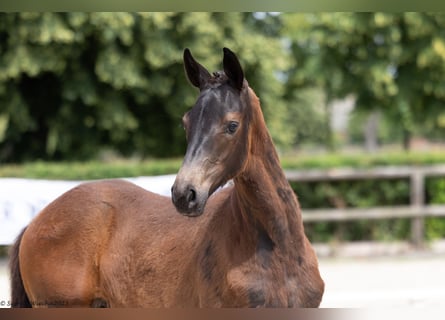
(417, 210)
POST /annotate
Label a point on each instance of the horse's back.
(87, 210)
(62, 248)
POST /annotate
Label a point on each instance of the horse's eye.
(231, 127)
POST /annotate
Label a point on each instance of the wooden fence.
(417, 210)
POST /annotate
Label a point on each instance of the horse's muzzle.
(188, 201)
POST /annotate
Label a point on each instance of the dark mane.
(218, 78)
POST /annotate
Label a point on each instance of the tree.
(74, 83)
(390, 62)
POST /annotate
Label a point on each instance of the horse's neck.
(263, 195)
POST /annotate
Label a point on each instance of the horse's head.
(216, 130)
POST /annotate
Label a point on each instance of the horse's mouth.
(192, 210)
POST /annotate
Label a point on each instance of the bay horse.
(110, 243)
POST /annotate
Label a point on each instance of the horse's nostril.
(186, 200)
(191, 195)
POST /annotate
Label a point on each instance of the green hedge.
(361, 160)
(91, 170)
(435, 191)
(365, 194)
(129, 168)
(359, 194)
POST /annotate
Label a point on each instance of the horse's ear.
(196, 73)
(232, 69)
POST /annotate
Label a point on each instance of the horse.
(110, 243)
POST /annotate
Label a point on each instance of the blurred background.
(355, 103)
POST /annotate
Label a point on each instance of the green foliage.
(355, 194)
(304, 121)
(365, 194)
(387, 132)
(73, 83)
(435, 189)
(390, 61)
(4, 251)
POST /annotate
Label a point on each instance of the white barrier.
(22, 199)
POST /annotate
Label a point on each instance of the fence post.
(417, 185)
